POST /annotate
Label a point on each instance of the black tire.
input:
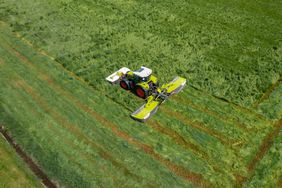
(141, 92)
(124, 84)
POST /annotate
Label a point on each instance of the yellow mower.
(146, 86)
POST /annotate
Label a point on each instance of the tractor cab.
(143, 74)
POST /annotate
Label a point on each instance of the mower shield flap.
(146, 111)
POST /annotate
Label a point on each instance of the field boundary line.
(268, 93)
(35, 168)
(196, 179)
(264, 147)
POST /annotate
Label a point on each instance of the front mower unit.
(146, 86)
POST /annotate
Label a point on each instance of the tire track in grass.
(268, 92)
(194, 178)
(27, 159)
(197, 125)
(266, 144)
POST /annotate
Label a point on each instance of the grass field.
(13, 172)
(223, 130)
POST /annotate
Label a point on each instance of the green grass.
(227, 48)
(267, 173)
(13, 172)
(77, 126)
(46, 111)
(272, 107)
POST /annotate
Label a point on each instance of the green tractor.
(141, 82)
(146, 86)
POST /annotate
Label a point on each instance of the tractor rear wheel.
(124, 85)
(140, 92)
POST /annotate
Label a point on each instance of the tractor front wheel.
(140, 92)
(124, 85)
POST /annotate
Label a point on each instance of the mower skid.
(145, 111)
(175, 86)
(114, 78)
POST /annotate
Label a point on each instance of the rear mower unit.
(146, 86)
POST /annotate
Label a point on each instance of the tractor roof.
(143, 72)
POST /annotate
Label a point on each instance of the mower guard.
(146, 111)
